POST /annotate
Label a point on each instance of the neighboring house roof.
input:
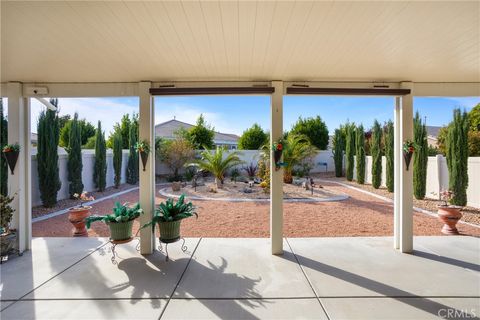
(169, 128)
(34, 137)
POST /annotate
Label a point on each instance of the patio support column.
(397, 167)
(276, 176)
(147, 177)
(20, 181)
(403, 178)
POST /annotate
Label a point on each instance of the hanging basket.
(144, 157)
(11, 157)
(408, 157)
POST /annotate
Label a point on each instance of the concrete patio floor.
(237, 278)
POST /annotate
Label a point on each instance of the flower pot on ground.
(8, 237)
(169, 216)
(120, 221)
(449, 214)
(77, 215)
(143, 148)
(11, 152)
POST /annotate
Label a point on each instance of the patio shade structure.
(121, 49)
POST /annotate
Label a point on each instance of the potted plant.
(8, 237)
(169, 216)
(277, 148)
(409, 147)
(77, 215)
(449, 214)
(143, 148)
(120, 221)
(11, 152)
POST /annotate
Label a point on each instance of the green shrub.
(338, 146)
(100, 167)
(117, 158)
(74, 163)
(253, 138)
(360, 154)
(47, 156)
(376, 155)
(350, 150)
(389, 154)
(315, 129)
(457, 157)
(133, 164)
(420, 158)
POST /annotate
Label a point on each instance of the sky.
(234, 114)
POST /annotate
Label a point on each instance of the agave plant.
(121, 213)
(251, 170)
(296, 149)
(169, 211)
(216, 163)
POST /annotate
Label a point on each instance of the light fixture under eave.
(47, 104)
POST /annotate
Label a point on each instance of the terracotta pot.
(77, 217)
(449, 215)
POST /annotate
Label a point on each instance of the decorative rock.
(247, 190)
(176, 185)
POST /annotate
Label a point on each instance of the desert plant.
(389, 148)
(133, 164)
(234, 174)
(350, 150)
(175, 154)
(338, 146)
(457, 157)
(376, 155)
(74, 163)
(360, 153)
(121, 213)
(420, 158)
(47, 156)
(117, 158)
(296, 149)
(251, 170)
(189, 173)
(215, 162)
(100, 167)
(7, 213)
(3, 142)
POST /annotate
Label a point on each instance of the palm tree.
(215, 163)
(296, 149)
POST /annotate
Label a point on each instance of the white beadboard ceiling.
(122, 41)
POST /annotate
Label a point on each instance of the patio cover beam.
(348, 91)
(171, 91)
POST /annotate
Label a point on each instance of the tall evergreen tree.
(133, 165)
(350, 150)
(74, 163)
(360, 153)
(100, 168)
(338, 147)
(389, 149)
(117, 158)
(3, 142)
(47, 156)
(457, 157)
(376, 155)
(420, 157)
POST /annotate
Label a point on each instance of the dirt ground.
(359, 215)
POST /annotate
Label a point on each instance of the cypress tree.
(360, 153)
(338, 146)
(47, 156)
(117, 158)
(3, 142)
(350, 150)
(74, 163)
(420, 158)
(132, 168)
(100, 168)
(376, 155)
(389, 145)
(457, 157)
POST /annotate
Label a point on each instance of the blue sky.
(233, 114)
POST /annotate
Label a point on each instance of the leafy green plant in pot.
(169, 216)
(120, 221)
(8, 237)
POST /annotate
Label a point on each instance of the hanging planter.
(277, 148)
(11, 152)
(143, 148)
(409, 148)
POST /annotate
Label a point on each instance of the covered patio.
(145, 49)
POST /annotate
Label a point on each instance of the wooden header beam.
(172, 91)
(348, 91)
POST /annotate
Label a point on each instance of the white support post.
(404, 178)
(276, 176)
(20, 181)
(147, 177)
(397, 167)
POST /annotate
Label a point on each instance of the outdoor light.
(47, 104)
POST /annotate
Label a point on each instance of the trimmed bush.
(74, 163)
(3, 142)
(117, 158)
(338, 146)
(420, 158)
(133, 164)
(100, 168)
(350, 150)
(253, 138)
(389, 151)
(376, 155)
(360, 153)
(457, 157)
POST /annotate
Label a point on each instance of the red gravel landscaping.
(360, 215)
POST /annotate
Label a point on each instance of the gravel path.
(360, 215)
